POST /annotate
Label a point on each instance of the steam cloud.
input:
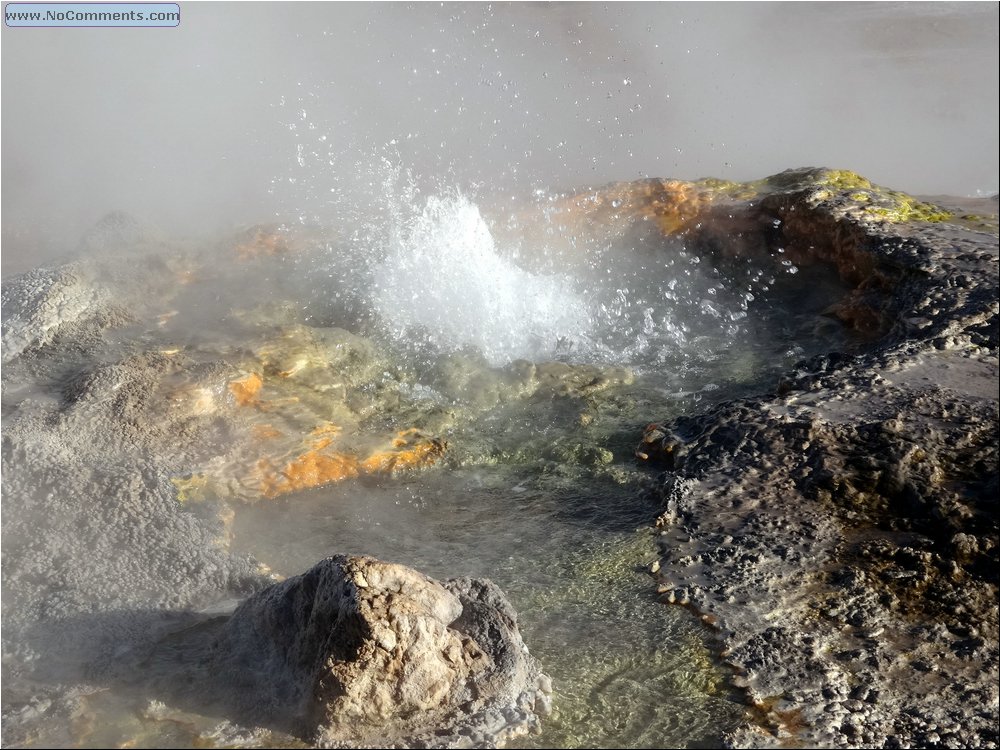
(251, 111)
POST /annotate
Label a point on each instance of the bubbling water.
(443, 277)
(445, 281)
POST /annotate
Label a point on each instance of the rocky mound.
(842, 532)
(360, 652)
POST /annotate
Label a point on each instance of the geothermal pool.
(318, 352)
(536, 356)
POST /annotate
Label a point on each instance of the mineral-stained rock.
(246, 388)
(325, 359)
(319, 462)
(272, 241)
(843, 536)
(357, 650)
(843, 533)
(472, 380)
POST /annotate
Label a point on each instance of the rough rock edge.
(38, 302)
(788, 518)
(357, 652)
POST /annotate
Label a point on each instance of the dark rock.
(867, 489)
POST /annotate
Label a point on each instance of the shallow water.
(542, 494)
(568, 552)
(538, 488)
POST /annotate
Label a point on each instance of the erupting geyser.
(444, 278)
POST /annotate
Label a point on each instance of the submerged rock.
(470, 380)
(319, 461)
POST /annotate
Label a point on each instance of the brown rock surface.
(843, 532)
(362, 651)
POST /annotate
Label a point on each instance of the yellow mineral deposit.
(326, 429)
(321, 463)
(410, 449)
(191, 488)
(266, 432)
(676, 206)
(292, 353)
(313, 468)
(673, 205)
(319, 459)
(246, 389)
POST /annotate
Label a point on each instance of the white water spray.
(436, 276)
(444, 278)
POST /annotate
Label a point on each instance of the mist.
(260, 112)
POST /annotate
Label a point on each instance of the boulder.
(361, 651)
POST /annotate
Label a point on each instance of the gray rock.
(357, 651)
(36, 304)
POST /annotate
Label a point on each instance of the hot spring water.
(543, 495)
(538, 491)
(444, 278)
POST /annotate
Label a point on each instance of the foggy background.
(254, 112)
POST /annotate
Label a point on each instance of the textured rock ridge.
(842, 532)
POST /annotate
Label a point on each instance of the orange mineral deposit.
(245, 389)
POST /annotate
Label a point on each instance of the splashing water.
(445, 282)
(444, 278)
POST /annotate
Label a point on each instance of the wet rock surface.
(841, 533)
(359, 652)
(126, 442)
(44, 301)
